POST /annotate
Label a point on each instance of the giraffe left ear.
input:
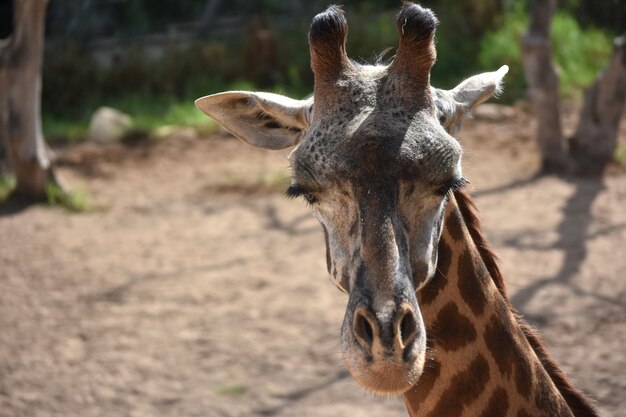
(453, 105)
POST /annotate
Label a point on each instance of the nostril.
(363, 330)
(408, 328)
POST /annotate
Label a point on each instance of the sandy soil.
(189, 294)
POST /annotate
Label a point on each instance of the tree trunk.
(544, 86)
(20, 100)
(593, 145)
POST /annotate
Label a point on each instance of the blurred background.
(160, 271)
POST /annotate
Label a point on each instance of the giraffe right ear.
(265, 120)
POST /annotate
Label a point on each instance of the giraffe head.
(375, 160)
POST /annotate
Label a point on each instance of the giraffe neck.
(480, 359)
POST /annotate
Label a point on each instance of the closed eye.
(295, 191)
(454, 185)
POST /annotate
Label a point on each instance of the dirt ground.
(188, 293)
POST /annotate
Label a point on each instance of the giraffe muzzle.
(384, 347)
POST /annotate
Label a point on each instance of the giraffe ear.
(266, 120)
(453, 105)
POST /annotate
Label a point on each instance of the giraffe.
(427, 315)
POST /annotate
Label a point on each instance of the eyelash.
(295, 191)
(455, 185)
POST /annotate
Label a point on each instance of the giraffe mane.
(576, 401)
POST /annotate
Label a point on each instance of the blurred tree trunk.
(544, 86)
(595, 140)
(593, 145)
(20, 100)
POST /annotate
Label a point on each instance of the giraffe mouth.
(385, 376)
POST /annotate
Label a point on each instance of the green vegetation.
(153, 92)
(75, 201)
(7, 184)
(61, 128)
(579, 53)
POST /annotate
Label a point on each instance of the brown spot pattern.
(498, 404)
(471, 279)
(429, 293)
(454, 225)
(523, 413)
(464, 389)
(416, 395)
(451, 330)
(498, 340)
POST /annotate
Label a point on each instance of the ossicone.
(416, 51)
(327, 41)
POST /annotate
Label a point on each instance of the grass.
(235, 390)
(620, 155)
(57, 130)
(7, 184)
(76, 201)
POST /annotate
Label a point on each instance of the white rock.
(108, 125)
